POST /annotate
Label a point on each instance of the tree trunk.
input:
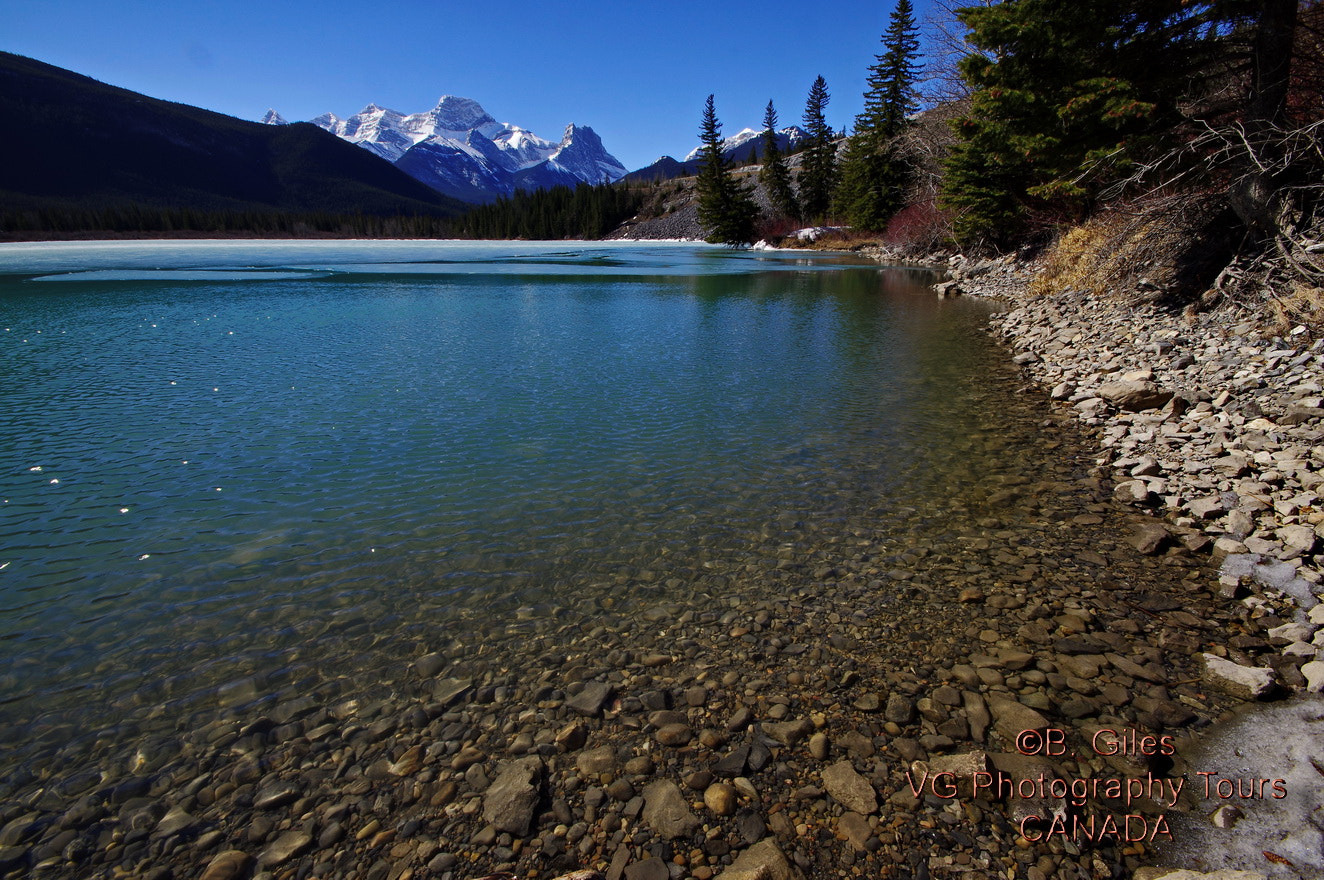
(1254, 195)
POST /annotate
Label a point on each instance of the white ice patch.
(1281, 744)
(1273, 574)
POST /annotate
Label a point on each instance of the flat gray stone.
(228, 865)
(1134, 395)
(1314, 673)
(788, 733)
(1010, 717)
(1148, 538)
(591, 699)
(855, 828)
(667, 812)
(762, 861)
(1207, 507)
(448, 690)
(277, 795)
(900, 709)
(1247, 682)
(18, 830)
(648, 869)
(287, 846)
(176, 821)
(510, 801)
(595, 761)
(850, 789)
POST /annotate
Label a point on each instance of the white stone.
(1229, 545)
(1262, 546)
(1293, 632)
(1207, 507)
(1297, 539)
(1314, 673)
(1246, 681)
(1132, 492)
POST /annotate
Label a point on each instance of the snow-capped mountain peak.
(731, 146)
(271, 117)
(459, 149)
(453, 113)
(582, 154)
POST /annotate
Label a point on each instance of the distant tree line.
(149, 220)
(561, 212)
(586, 211)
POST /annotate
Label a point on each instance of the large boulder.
(1134, 395)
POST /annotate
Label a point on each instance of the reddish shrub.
(919, 226)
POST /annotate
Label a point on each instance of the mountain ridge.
(457, 148)
(72, 143)
(733, 149)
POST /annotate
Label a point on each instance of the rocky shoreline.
(973, 693)
(1211, 424)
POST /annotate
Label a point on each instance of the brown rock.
(229, 865)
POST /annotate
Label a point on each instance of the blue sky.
(638, 73)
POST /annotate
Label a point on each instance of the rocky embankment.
(1211, 425)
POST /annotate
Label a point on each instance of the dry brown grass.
(1165, 248)
(1110, 252)
(1302, 305)
(837, 240)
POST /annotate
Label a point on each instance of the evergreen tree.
(818, 174)
(1066, 96)
(726, 209)
(873, 176)
(775, 176)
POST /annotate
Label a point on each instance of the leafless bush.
(1272, 176)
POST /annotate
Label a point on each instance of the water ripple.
(327, 460)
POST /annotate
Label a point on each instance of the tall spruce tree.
(1066, 97)
(726, 209)
(818, 173)
(774, 174)
(874, 176)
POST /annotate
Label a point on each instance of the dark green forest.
(560, 212)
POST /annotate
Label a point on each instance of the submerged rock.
(510, 801)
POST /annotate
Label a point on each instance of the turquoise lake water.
(231, 469)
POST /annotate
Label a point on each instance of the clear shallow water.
(232, 470)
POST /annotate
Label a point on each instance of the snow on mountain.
(581, 153)
(273, 118)
(525, 147)
(731, 147)
(457, 148)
